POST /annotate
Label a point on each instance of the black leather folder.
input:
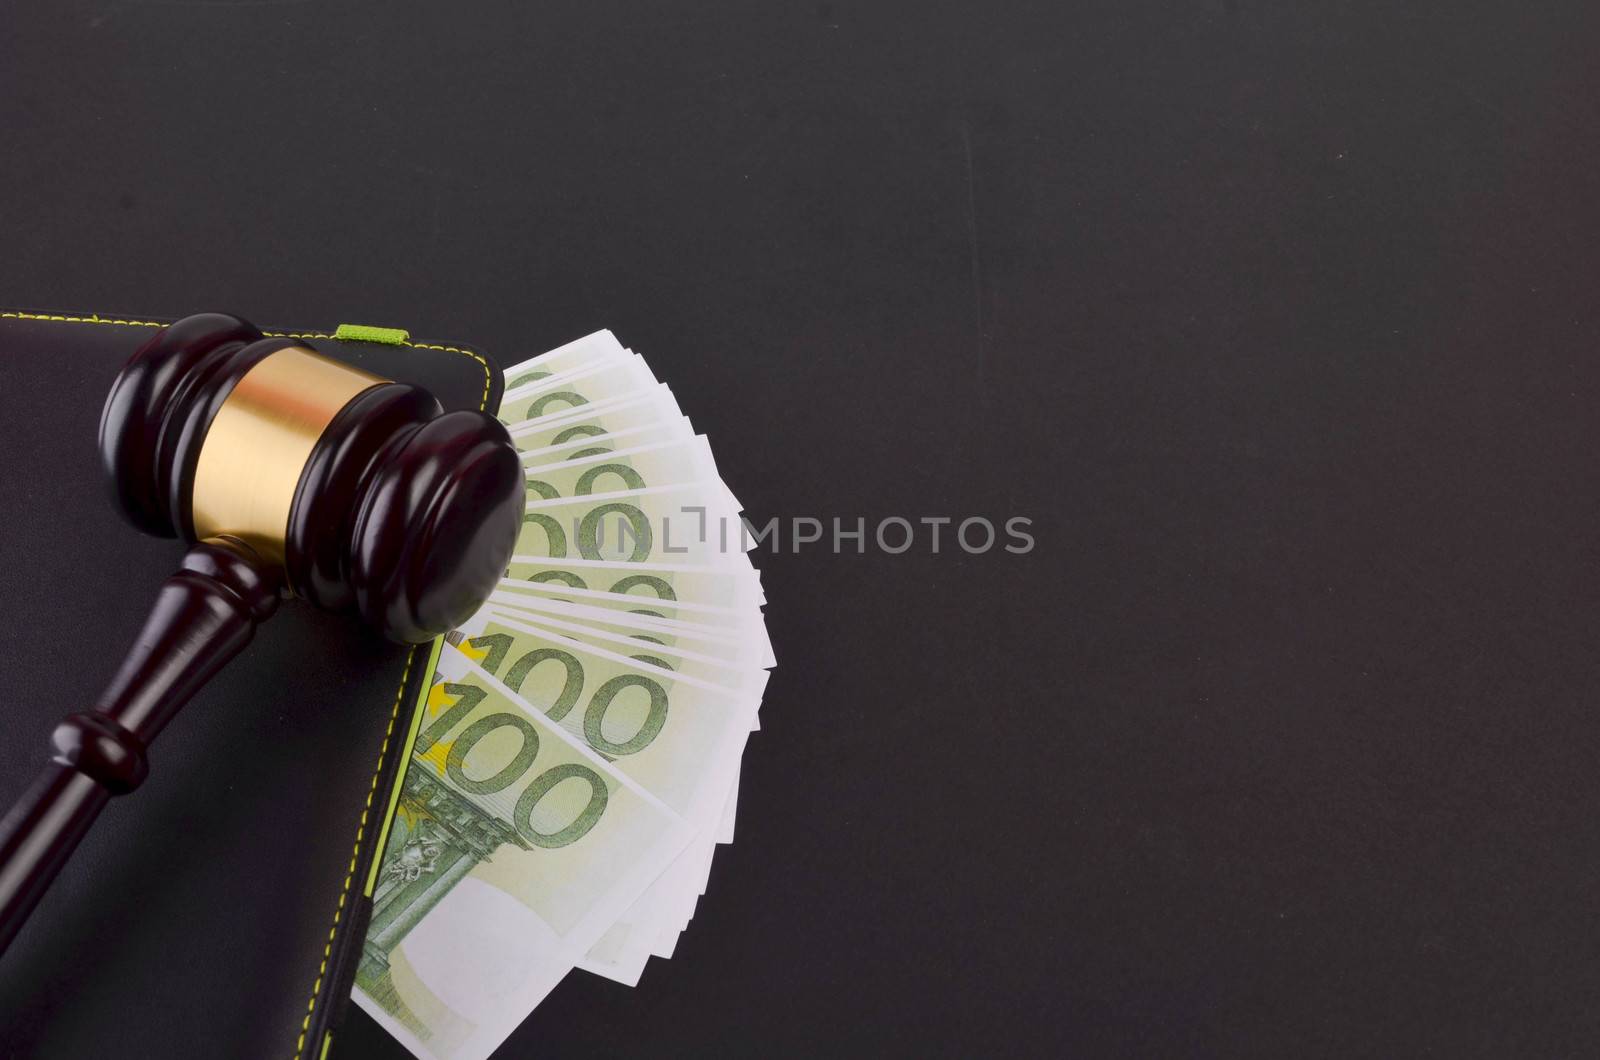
(217, 910)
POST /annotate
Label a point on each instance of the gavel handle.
(203, 616)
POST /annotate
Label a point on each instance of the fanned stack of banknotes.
(576, 761)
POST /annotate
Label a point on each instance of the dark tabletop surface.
(1278, 320)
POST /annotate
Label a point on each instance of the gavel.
(288, 473)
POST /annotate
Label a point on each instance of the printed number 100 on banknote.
(513, 849)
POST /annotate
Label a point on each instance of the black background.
(1279, 320)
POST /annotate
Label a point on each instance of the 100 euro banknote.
(604, 422)
(675, 723)
(513, 849)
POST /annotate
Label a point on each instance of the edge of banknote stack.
(575, 762)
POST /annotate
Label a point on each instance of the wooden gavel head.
(362, 493)
(283, 469)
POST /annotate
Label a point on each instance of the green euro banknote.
(647, 599)
(601, 419)
(592, 349)
(662, 913)
(674, 726)
(513, 849)
(689, 523)
(682, 659)
(743, 647)
(671, 900)
(587, 445)
(630, 607)
(584, 385)
(731, 590)
(663, 464)
(651, 926)
(738, 638)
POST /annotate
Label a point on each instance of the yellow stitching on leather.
(81, 320)
(488, 373)
(361, 829)
(417, 711)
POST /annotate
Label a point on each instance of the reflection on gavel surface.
(286, 471)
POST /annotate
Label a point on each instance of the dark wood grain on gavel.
(381, 503)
